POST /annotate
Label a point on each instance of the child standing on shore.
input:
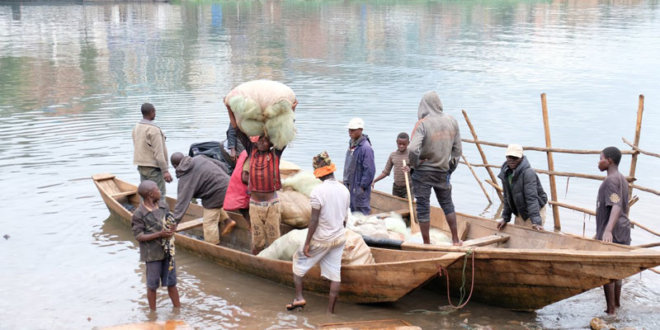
(148, 224)
(396, 161)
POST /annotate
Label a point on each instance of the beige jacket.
(149, 146)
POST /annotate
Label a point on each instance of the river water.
(73, 75)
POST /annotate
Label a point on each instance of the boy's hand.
(406, 169)
(167, 177)
(166, 233)
(607, 236)
(537, 227)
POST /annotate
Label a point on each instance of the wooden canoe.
(383, 281)
(524, 269)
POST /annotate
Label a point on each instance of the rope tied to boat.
(461, 291)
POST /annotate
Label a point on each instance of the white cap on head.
(355, 123)
(514, 150)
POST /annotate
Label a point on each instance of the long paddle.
(414, 226)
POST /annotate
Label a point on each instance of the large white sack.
(264, 106)
(286, 246)
(436, 236)
(303, 182)
(367, 226)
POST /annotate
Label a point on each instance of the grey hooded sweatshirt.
(436, 141)
(200, 177)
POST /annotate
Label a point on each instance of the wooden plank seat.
(124, 194)
(487, 240)
(189, 224)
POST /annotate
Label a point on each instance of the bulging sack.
(264, 106)
(356, 251)
(295, 208)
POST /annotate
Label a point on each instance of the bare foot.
(610, 312)
(229, 227)
(459, 243)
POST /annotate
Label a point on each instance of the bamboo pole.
(551, 162)
(414, 226)
(483, 155)
(477, 178)
(632, 201)
(648, 153)
(590, 212)
(638, 131)
(494, 185)
(649, 190)
(557, 150)
(577, 175)
(649, 245)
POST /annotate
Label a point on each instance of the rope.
(461, 304)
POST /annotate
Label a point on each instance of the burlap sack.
(295, 208)
(356, 251)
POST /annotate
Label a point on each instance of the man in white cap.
(359, 167)
(523, 192)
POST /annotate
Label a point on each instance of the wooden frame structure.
(549, 150)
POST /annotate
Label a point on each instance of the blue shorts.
(158, 273)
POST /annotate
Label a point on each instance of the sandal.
(296, 304)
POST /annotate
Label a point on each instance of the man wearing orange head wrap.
(326, 234)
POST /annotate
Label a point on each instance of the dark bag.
(212, 149)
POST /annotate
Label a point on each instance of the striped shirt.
(264, 171)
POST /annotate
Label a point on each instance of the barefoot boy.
(612, 224)
(396, 161)
(148, 229)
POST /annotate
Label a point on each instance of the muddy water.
(72, 77)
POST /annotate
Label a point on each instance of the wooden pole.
(483, 155)
(648, 153)
(551, 162)
(590, 212)
(638, 131)
(414, 226)
(477, 178)
(545, 149)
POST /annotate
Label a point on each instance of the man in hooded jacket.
(359, 167)
(205, 178)
(433, 152)
(523, 192)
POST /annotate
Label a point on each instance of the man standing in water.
(433, 153)
(326, 235)
(149, 151)
(612, 223)
(359, 167)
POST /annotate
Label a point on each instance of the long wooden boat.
(525, 269)
(394, 274)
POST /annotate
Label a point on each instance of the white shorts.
(329, 257)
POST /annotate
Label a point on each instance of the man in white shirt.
(326, 234)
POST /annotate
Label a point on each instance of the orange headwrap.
(325, 170)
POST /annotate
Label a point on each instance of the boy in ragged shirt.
(148, 228)
(396, 161)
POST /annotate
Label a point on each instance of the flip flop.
(296, 304)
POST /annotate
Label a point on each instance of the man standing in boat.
(359, 167)
(612, 223)
(149, 151)
(326, 234)
(523, 192)
(434, 151)
(205, 178)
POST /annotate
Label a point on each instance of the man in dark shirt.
(205, 178)
(612, 223)
(148, 228)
